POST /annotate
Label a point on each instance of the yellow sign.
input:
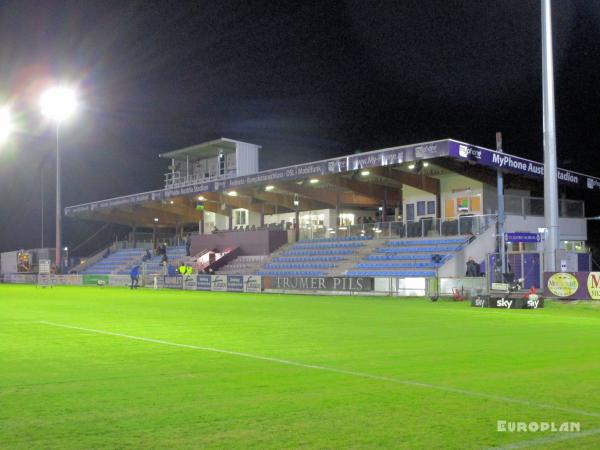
(593, 285)
(563, 284)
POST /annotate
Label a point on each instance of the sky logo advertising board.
(563, 284)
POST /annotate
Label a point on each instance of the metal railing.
(177, 179)
(426, 227)
(534, 206)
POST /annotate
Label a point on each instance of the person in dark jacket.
(135, 277)
(472, 268)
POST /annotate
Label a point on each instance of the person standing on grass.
(135, 277)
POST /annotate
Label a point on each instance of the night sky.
(306, 80)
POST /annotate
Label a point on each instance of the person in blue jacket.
(135, 277)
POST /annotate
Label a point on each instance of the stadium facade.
(440, 195)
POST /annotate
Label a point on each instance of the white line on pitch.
(548, 440)
(334, 370)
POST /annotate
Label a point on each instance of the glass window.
(431, 207)
(420, 208)
(240, 217)
(410, 212)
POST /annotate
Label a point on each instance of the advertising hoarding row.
(572, 285)
(219, 283)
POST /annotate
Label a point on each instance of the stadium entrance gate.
(526, 265)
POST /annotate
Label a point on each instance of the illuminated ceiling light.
(5, 124)
(232, 193)
(425, 164)
(201, 198)
(365, 173)
(156, 219)
(171, 202)
(377, 230)
(269, 187)
(411, 166)
(58, 103)
(313, 181)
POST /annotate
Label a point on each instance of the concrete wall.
(259, 242)
(454, 186)
(478, 249)
(414, 195)
(571, 229)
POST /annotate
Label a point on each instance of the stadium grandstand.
(381, 213)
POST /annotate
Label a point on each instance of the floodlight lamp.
(58, 103)
(5, 124)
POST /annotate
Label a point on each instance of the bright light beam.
(5, 124)
(58, 103)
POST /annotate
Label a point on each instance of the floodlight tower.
(551, 244)
(58, 104)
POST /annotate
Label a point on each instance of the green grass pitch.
(87, 368)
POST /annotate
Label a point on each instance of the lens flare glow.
(58, 103)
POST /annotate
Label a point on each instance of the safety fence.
(382, 286)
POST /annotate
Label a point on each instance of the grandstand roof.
(342, 180)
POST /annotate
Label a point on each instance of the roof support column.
(134, 235)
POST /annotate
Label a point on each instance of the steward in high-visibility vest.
(188, 270)
(181, 269)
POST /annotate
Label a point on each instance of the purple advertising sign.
(530, 238)
(516, 164)
(398, 155)
(572, 285)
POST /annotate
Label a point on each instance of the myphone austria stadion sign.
(516, 164)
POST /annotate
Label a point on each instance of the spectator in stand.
(147, 256)
(472, 268)
(171, 270)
